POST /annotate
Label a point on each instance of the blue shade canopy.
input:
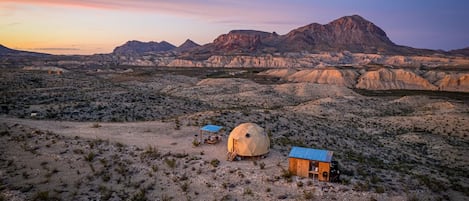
(311, 154)
(211, 128)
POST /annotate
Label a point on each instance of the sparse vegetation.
(170, 162)
(363, 132)
(215, 162)
(90, 157)
(95, 125)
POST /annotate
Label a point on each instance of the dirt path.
(161, 135)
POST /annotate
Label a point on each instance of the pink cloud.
(238, 12)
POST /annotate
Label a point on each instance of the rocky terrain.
(126, 133)
(379, 78)
(120, 126)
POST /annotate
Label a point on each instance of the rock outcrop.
(308, 60)
(454, 82)
(332, 76)
(387, 79)
(137, 47)
(377, 79)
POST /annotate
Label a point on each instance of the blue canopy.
(211, 128)
(311, 154)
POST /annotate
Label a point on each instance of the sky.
(98, 26)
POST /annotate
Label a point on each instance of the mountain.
(463, 51)
(353, 33)
(5, 51)
(186, 46)
(350, 33)
(137, 47)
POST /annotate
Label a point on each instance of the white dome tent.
(248, 139)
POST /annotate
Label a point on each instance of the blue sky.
(97, 26)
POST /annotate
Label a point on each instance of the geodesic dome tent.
(248, 139)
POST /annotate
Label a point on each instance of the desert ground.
(125, 133)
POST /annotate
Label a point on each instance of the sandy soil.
(57, 165)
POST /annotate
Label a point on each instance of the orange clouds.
(216, 11)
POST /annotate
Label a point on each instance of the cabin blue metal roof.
(211, 128)
(311, 154)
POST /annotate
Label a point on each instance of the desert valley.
(121, 126)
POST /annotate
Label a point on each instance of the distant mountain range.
(4, 51)
(350, 33)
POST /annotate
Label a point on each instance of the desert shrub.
(195, 143)
(119, 145)
(299, 184)
(359, 186)
(262, 165)
(432, 184)
(78, 151)
(308, 195)
(379, 189)
(151, 153)
(185, 187)
(139, 196)
(90, 157)
(247, 191)
(184, 177)
(106, 194)
(170, 162)
(286, 174)
(215, 162)
(375, 179)
(413, 198)
(165, 197)
(180, 155)
(44, 196)
(154, 168)
(106, 177)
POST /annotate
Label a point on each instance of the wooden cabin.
(308, 162)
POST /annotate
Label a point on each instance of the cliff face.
(457, 82)
(378, 79)
(325, 76)
(297, 60)
(386, 79)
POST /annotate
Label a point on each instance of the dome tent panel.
(248, 139)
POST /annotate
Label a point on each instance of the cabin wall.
(299, 167)
(324, 167)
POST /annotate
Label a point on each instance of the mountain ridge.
(5, 51)
(349, 33)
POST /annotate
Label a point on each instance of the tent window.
(248, 135)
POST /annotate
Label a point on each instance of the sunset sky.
(97, 26)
